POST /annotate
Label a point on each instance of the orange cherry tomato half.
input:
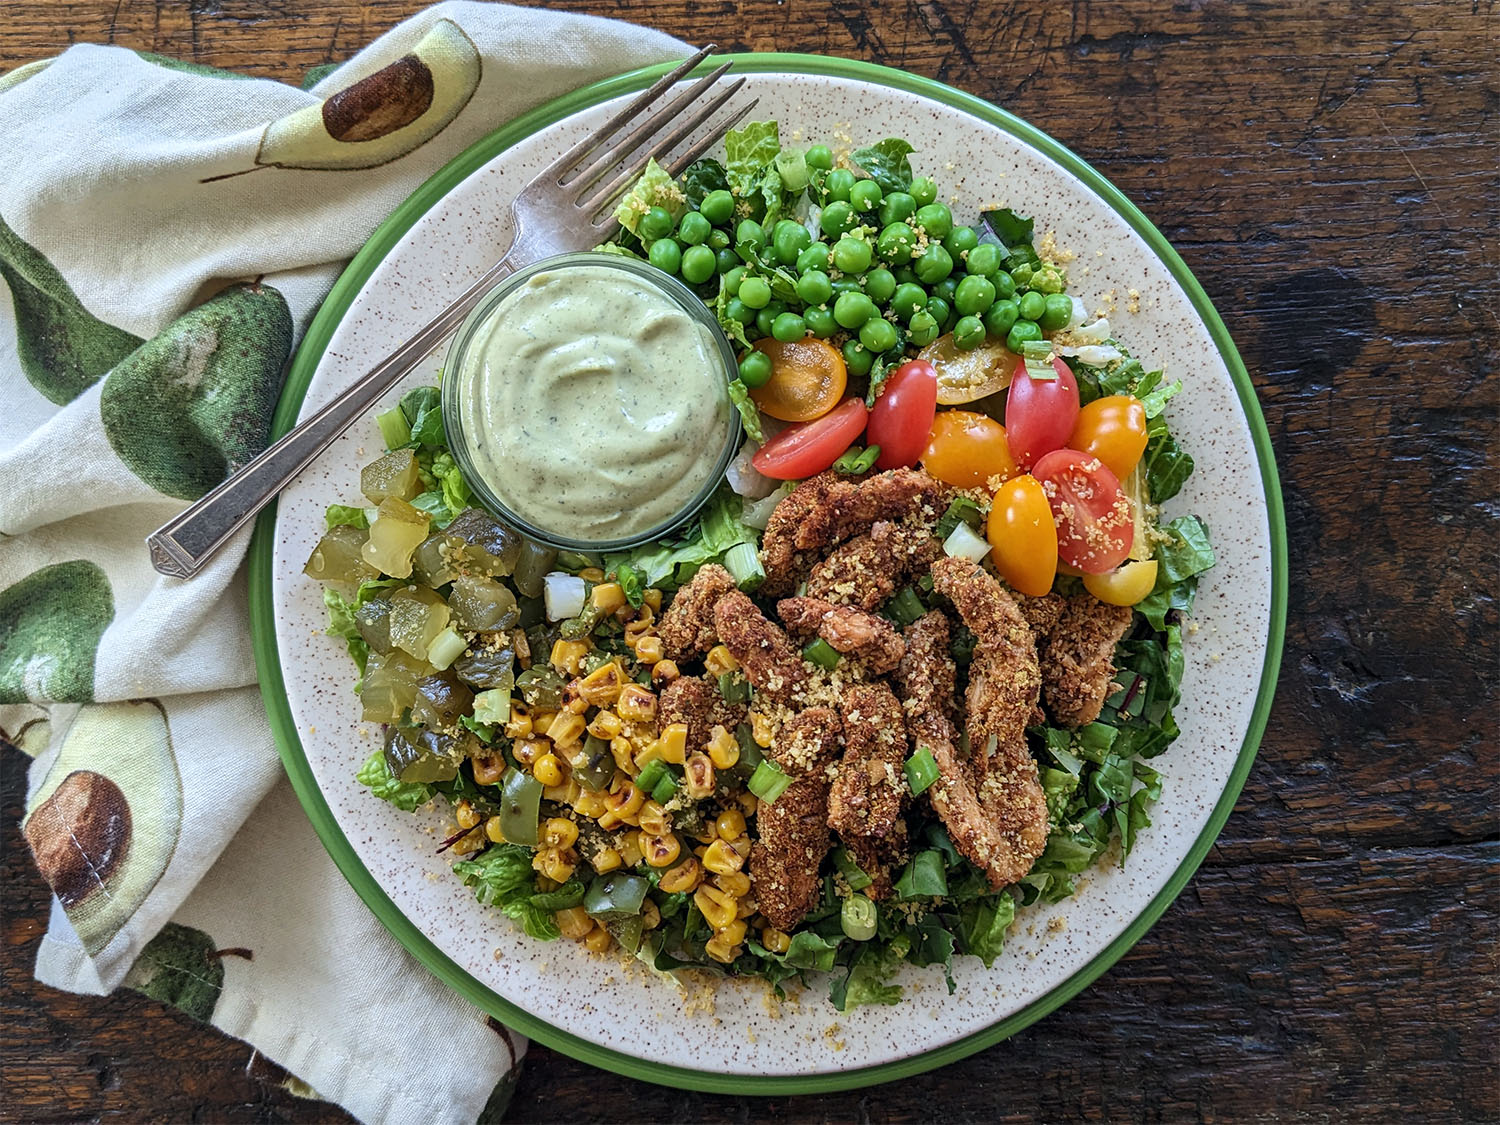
(1112, 429)
(1040, 413)
(1023, 536)
(807, 378)
(1095, 525)
(902, 415)
(966, 449)
(802, 451)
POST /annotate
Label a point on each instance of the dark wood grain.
(1329, 174)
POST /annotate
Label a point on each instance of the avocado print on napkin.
(50, 625)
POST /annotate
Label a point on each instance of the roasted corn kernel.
(674, 742)
(598, 940)
(567, 729)
(547, 769)
(650, 915)
(736, 883)
(653, 819)
(641, 627)
(740, 844)
(717, 908)
(648, 650)
(734, 933)
(721, 858)
(606, 724)
(761, 729)
(567, 656)
(607, 860)
(574, 922)
(637, 704)
(720, 950)
(748, 802)
(470, 843)
(489, 770)
(746, 908)
(664, 672)
(723, 748)
(519, 723)
(528, 750)
(465, 815)
(720, 660)
(623, 806)
(559, 832)
(623, 753)
(774, 940)
(660, 851)
(556, 863)
(608, 596)
(730, 825)
(630, 849)
(601, 687)
(684, 877)
(698, 776)
(589, 804)
(492, 830)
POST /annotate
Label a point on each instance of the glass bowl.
(468, 432)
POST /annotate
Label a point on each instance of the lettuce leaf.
(655, 188)
(1167, 466)
(342, 515)
(984, 925)
(702, 177)
(341, 624)
(748, 152)
(1181, 558)
(885, 162)
(669, 563)
(407, 796)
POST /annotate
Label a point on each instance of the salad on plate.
(903, 675)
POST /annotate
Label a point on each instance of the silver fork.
(567, 207)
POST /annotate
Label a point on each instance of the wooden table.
(1330, 176)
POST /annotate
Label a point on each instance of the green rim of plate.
(269, 663)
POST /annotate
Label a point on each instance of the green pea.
(907, 299)
(968, 333)
(820, 321)
(934, 264)
(725, 260)
(837, 218)
(717, 207)
(922, 329)
(1005, 285)
(736, 309)
(853, 309)
(815, 257)
(789, 240)
(895, 243)
(999, 318)
(788, 327)
(880, 284)
(1049, 279)
(819, 156)
(665, 255)
(814, 287)
(1032, 305)
(896, 207)
(935, 219)
(946, 288)
(718, 239)
(694, 229)
(755, 369)
(839, 183)
(940, 309)
(1020, 333)
(983, 259)
(846, 285)
(858, 358)
(974, 295)
(1058, 311)
(655, 223)
(697, 264)
(765, 320)
(1021, 275)
(878, 334)
(851, 255)
(755, 292)
(733, 280)
(905, 275)
(959, 240)
(865, 195)
(749, 235)
(923, 191)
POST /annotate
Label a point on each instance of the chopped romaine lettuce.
(885, 162)
(655, 188)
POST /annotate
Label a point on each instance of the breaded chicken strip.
(766, 656)
(869, 784)
(780, 557)
(879, 857)
(807, 743)
(1041, 613)
(867, 570)
(1078, 658)
(869, 639)
(696, 701)
(894, 495)
(928, 678)
(687, 626)
(784, 862)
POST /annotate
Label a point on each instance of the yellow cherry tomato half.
(1125, 585)
(966, 449)
(1112, 429)
(1023, 538)
(807, 379)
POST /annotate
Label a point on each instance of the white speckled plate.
(593, 1008)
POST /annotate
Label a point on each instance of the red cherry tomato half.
(1040, 413)
(802, 451)
(1095, 525)
(902, 417)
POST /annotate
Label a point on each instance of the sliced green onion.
(1038, 357)
(492, 706)
(906, 607)
(445, 648)
(751, 755)
(743, 562)
(921, 771)
(651, 774)
(821, 653)
(665, 789)
(520, 808)
(767, 782)
(395, 430)
(853, 874)
(858, 918)
(962, 510)
(962, 542)
(734, 689)
(857, 460)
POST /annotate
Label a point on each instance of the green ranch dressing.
(590, 404)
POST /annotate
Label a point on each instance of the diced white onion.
(1095, 333)
(743, 477)
(962, 543)
(1099, 355)
(1079, 314)
(371, 514)
(562, 595)
(757, 513)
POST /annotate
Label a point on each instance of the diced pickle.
(417, 616)
(397, 531)
(430, 561)
(418, 754)
(541, 687)
(390, 685)
(395, 474)
(483, 669)
(373, 620)
(482, 604)
(338, 557)
(488, 545)
(532, 565)
(440, 701)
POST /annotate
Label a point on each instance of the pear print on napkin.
(194, 403)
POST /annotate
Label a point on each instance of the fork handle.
(182, 546)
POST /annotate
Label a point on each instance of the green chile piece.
(520, 808)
